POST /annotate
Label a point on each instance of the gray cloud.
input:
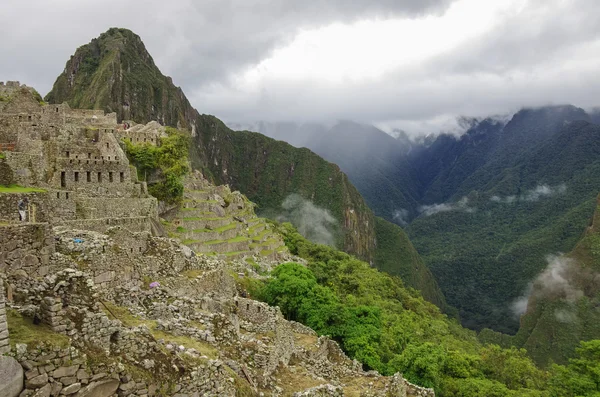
(401, 216)
(196, 42)
(314, 223)
(543, 53)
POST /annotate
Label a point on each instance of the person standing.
(22, 207)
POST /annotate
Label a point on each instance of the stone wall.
(4, 342)
(89, 207)
(134, 224)
(26, 248)
(6, 173)
(38, 206)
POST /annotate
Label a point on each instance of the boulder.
(11, 377)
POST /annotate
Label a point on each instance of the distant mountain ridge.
(482, 252)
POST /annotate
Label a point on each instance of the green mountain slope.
(485, 252)
(396, 255)
(115, 72)
(564, 310)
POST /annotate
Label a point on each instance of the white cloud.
(461, 205)
(556, 281)
(532, 195)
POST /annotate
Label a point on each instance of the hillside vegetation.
(391, 328)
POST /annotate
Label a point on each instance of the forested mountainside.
(483, 209)
(491, 237)
(115, 73)
(562, 304)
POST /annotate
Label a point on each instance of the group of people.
(126, 126)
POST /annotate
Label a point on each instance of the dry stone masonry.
(95, 303)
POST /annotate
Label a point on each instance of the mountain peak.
(114, 72)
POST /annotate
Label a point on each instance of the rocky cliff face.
(115, 73)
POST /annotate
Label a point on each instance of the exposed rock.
(11, 377)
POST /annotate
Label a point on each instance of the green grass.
(124, 315)
(20, 189)
(2, 156)
(196, 218)
(236, 253)
(238, 239)
(22, 330)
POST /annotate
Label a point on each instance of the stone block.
(68, 380)
(11, 377)
(37, 382)
(44, 391)
(74, 388)
(103, 388)
(65, 371)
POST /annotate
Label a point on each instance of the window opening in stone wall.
(110, 176)
(67, 195)
(56, 110)
(68, 154)
(99, 177)
(107, 145)
(88, 176)
(76, 176)
(63, 179)
(29, 118)
(247, 306)
(258, 309)
(58, 195)
(122, 177)
(89, 155)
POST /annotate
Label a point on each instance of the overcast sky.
(412, 64)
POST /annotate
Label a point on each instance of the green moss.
(22, 330)
(20, 189)
(124, 315)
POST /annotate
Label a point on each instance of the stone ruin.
(75, 158)
(80, 271)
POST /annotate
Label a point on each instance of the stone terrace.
(217, 222)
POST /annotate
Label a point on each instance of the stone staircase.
(214, 221)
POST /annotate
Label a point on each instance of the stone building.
(76, 159)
